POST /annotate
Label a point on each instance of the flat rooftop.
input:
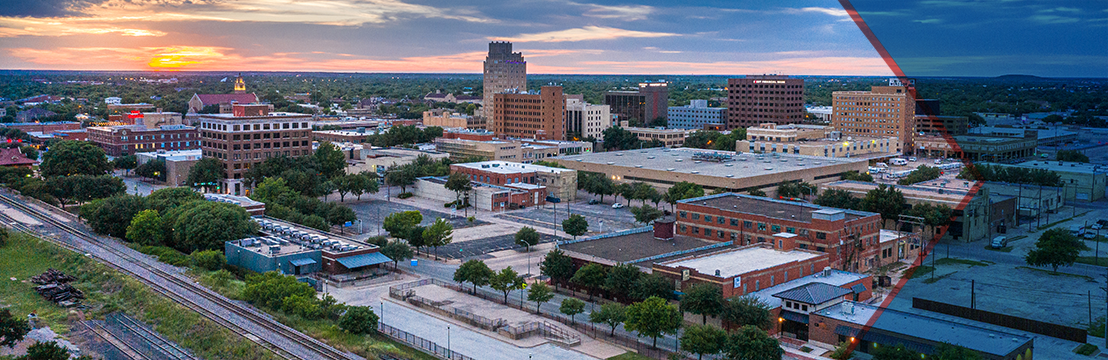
(834, 277)
(681, 160)
(505, 167)
(962, 334)
(1063, 166)
(633, 246)
(772, 208)
(175, 155)
(734, 262)
(232, 199)
(954, 193)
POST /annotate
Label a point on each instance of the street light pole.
(450, 354)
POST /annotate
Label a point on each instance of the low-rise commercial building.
(977, 147)
(670, 137)
(1080, 181)
(133, 139)
(739, 271)
(247, 136)
(339, 136)
(43, 127)
(812, 140)
(380, 160)
(1033, 200)
(297, 250)
(791, 302)
(487, 197)
(489, 150)
(448, 119)
(585, 120)
(939, 125)
(177, 163)
(561, 183)
(696, 115)
(711, 169)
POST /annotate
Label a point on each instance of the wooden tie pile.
(54, 286)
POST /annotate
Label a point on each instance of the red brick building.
(474, 135)
(128, 140)
(44, 127)
(757, 99)
(532, 116)
(749, 219)
(242, 141)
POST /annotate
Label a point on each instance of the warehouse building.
(297, 250)
(1080, 181)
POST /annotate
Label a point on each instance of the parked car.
(938, 161)
(912, 159)
(594, 202)
(1090, 235)
(1096, 226)
(999, 242)
(617, 206)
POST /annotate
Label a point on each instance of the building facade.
(977, 147)
(757, 99)
(489, 150)
(129, 140)
(1080, 181)
(585, 120)
(883, 111)
(811, 140)
(533, 116)
(250, 135)
(504, 70)
(696, 115)
(672, 138)
(560, 183)
(448, 119)
(649, 102)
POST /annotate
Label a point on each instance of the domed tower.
(240, 85)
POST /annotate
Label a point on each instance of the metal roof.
(813, 293)
(301, 262)
(361, 260)
(858, 289)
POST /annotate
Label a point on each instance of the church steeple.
(240, 85)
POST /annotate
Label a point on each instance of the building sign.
(769, 81)
(738, 282)
(685, 275)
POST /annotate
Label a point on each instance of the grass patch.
(629, 356)
(922, 270)
(805, 349)
(1048, 272)
(109, 291)
(1096, 329)
(1085, 349)
(1092, 260)
(953, 261)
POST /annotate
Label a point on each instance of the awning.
(301, 262)
(357, 261)
(858, 289)
(791, 316)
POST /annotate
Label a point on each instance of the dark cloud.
(44, 8)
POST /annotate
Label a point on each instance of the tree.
(459, 184)
(557, 266)
(209, 259)
(796, 189)
(527, 237)
(652, 285)
(146, 228)
(126, 162)
(397, 251)
(166, 199)
(756, 192)
(752, 343)
(331, 160)
(153, 169)
(621, 279)
(746, 310)
(572, 307)
(71, 157)
(402, 176)
(646, 214)
(505, 281)
(205, 173)
(399, 224)
(440, 233)
(703, 339)
(415, 237)
(474, 272)
(12, 329)
(703, 299)
(952, 352)
(626, 191)
(206, 225)
(111, 216)
(539, 293)
(270, 289)
(575, 225)
(617, 138)
(885, 200)
(359, 320)
(837, 198)
(83, 188)
(369, 186)
(612, 314)
(683, 190)
(1055, 247)
(1071, 155)
(889, 352)
(590, 276)
(274, 190)
(48, 350)
(653, 317)
(856, 176)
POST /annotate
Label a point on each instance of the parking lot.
(479, 248)
(602, 218)
(373, 212)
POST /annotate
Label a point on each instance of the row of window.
(255, 127)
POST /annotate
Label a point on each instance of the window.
(747, 224)
(719, 220)
(821, 235)
(734, 222)
(734, 236)
(708, 218)
(761, 227)
(775, 228)
(804, 307)
(696, 230)
(719, 233)
(790, 230)
(695, 216)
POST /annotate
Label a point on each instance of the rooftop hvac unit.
(275, 249)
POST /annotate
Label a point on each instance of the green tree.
(111, 216)
(527, 237)
(703, 299)
(166, 199)
(505, 281)
(653, 317)
(621, 280)
(557, 266)
(209, 259)
(146, 228)
(703, 339)
(612, 314)
(652, 285)
(539, 293)
(12, 329)
(889, 352)
(440, 233)
(626, 191)
(837, 198)
(752, 343)
(575, 225)
(207, 225)
(474, 272)
(48, 350)
(332, 162)
(415, 237)
(402, 176)
(125, 163)
(572, 307)
(270, 289)
(205, 173)
(397, 251)
(1071, 155)
(459, 184)
(153, 169)
(359, 320)
(274, 190)
(683, 190)
(756, 192)
(921, 174)
(400, 224)
(856, 176)
(885, 200)
(1055, 247)
(746, 310)
(952, 352)
(70, 157)
(646, 214)
(591, 277)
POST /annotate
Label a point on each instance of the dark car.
(594, 202)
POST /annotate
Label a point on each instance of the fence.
(417, 342)
(1018, 323)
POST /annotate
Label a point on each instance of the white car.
(938, 161)
(912, 159)
(617, 206)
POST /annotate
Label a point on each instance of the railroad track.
(311, 348)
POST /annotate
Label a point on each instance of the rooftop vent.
(670, 169)
(638, 166)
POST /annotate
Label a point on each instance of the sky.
(804, 37)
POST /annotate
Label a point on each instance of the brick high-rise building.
(649, 102)
(504, 71)
(584, 120)
(248, 136)
(533, 116)
(757, 99)
(883, 111)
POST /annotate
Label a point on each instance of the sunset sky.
(601, 37)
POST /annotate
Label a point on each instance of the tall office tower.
(757, 99)
(532, 116)
(249, 135)
(504, 71)
(883, 111)
(650, 101)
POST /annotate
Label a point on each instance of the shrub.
(405, 195)
(167, 255)
(359, 320)
(1085, 349)
(209, 259)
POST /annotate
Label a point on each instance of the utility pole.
(973, 294)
